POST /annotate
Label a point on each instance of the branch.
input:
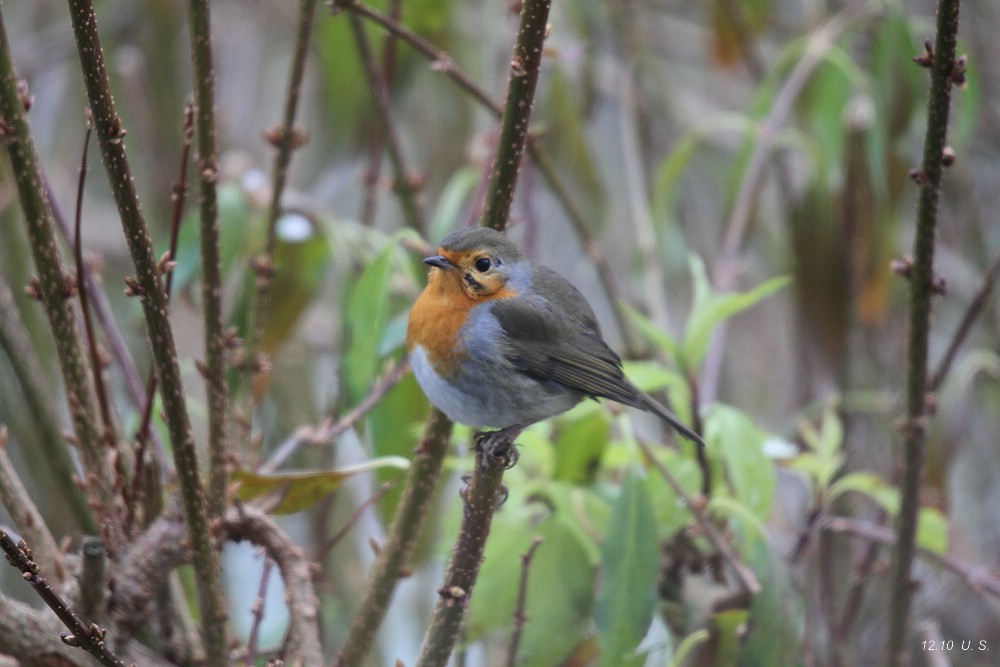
(149, 288)
(24, 513)
(29, 635)
(52, 285)
(404, 184)
(39, 399)
(395, 554)
(943, 76)
(249, 523)
(746, 576)
(211, 285)
(285, 138)
(520, 617)
(90, 639)
(965, 326)
(481, 500)
(977, 578)
(328, 432)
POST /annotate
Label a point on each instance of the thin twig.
(249, 523)
(285, 138)
(257, 612)
(746, 576)
(113, 338)
(95, 356)
(965, 326)
(90, 639)
(979, 579)
(921, 291)
(176, 217)
(324, 552)
(329, 432)
(520, 617)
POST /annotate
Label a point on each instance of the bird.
(498, 340)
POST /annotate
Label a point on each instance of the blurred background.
(705, 145)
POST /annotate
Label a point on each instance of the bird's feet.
(498, 447)
(502, 494)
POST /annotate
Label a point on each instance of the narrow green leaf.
(367, 315)
(868, 484)
(710, 309)
(630, 557)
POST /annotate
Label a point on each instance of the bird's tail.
(649, 404)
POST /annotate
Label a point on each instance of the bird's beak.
(440, 261)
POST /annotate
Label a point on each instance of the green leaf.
(367, 315)
(687, 645)
(671, 514)
(291, 492)
(710, 309)
(932, 530)
(868, 484)
(452, 202)
(739, 445)
(630, 557)
(579, 448)
(654, 334)
(559, 593)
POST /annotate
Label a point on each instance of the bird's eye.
(483, 264)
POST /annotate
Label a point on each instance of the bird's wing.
(551, 342)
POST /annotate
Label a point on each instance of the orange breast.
(439, 313)
(435, 320)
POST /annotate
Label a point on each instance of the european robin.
(497, 340)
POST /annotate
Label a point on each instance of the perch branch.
(921, 291)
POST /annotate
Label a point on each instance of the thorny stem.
(285, 139)
(480, 497)
(90, 639)
(211, 266)
(38, 397)
(149, 287)
(52, 283)
(921, 291)
(524, 70)
(392, 559)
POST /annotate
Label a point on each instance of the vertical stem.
(211, 286)
(921, 291)
(148, 286)
(286, 140)
(524, 69)
(52, 281)
(392, 559)
(480, 498)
